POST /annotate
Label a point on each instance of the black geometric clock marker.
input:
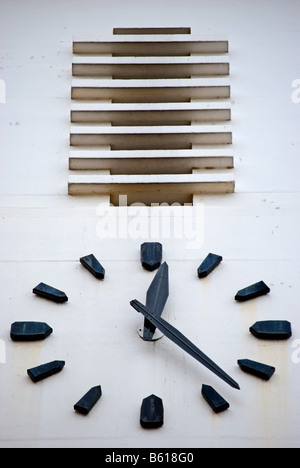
(178, 338)
(151, 255)
(253, 291)
(152, 412)
(214, 399)
(45, 370)
(263, 371)
(91, 263)
(157, 296)
(272, 330)
(30, 331)
(48, 292)
(88, 401)
(209, 264)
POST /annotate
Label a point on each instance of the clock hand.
(157, 296)
(178, 338)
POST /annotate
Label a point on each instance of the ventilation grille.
(150, 116)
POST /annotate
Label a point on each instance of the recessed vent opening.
(150, 104)
(149, 31)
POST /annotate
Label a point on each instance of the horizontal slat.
(151, 188)
(134, 138)
(207, 38)
(150, 114)
(132, 131)
(141, 68)
(151, 162)
(151, 90)
(160, 45)
(169, 106)
(167, 83)
(108, 60)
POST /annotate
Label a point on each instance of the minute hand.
(178, 338)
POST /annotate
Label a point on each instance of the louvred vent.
(150, 116)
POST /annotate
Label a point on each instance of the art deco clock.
(155, 327)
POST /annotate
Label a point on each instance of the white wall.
(44, 232)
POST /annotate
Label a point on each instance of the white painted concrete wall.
(44, 232)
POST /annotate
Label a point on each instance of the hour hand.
(157, 296)
(178, 338)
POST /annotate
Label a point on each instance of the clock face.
(95, 364)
